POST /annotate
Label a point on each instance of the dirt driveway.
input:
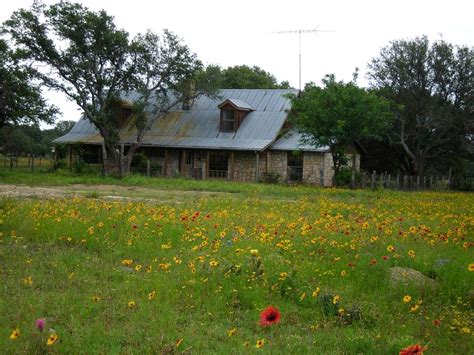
(110, 192)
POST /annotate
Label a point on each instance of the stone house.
(241, 136)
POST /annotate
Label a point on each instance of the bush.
(139, 162)
(81, 167)
(272, 177)
(344, 176)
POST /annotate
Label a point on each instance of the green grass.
(74, 249)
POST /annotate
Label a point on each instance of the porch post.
(257, 167)
(183, 161)
(232, 166)
(165, 168)
(70, 157)
(122, 150)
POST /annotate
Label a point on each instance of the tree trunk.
(419, 165)
(353, 169)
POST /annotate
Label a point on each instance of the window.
(218, 164)
(295, 167)
(189, 158)
(228, 121)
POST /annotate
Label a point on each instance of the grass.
(215, 260)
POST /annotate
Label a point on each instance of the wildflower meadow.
(301, 271)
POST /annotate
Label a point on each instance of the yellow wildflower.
(260, 343)
(15, 333)
(52, 339)
(316, 292)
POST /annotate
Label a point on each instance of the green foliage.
(272, 177)
(245, 77)
(94, 63)
(344, 177)
(431, 87)
(81, 167)
(338, 115)
(21, 101)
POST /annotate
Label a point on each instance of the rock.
(404, 275)
(442, 262)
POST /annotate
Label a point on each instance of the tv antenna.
(299, 32)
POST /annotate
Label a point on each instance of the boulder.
(405, 276)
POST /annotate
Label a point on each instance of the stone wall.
(278, 163)
(313, 165)
(245, 166)
(170, 163)
(328, 169)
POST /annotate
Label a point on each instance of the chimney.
(189, 93)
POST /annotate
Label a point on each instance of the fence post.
(32, 163)
(405, 182)
(148, 167)
(321, 177)
(11, 163)
(431, 182)
(449, 179)
(418, 182)
(353, 179)
(364, 180)
(388, 181)
(372, 181)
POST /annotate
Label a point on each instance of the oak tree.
(21, 99)
(96, 65)
(433, 85)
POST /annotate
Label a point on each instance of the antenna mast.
(299, 32)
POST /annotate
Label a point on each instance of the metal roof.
(293, 140)
(199, 126)
(239, 104)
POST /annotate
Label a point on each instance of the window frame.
(226, 121)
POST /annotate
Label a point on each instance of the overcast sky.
(240, 32)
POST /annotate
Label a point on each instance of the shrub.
(272, 177)
(344, 176)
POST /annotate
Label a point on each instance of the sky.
(244, 31)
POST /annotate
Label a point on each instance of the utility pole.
(299, 32)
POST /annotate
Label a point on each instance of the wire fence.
(405, 182)
(361, 180)
(28, 162)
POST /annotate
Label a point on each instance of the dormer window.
(233, 113)
(228, 120)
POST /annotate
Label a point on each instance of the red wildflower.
(269, 316)
(413, 350)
